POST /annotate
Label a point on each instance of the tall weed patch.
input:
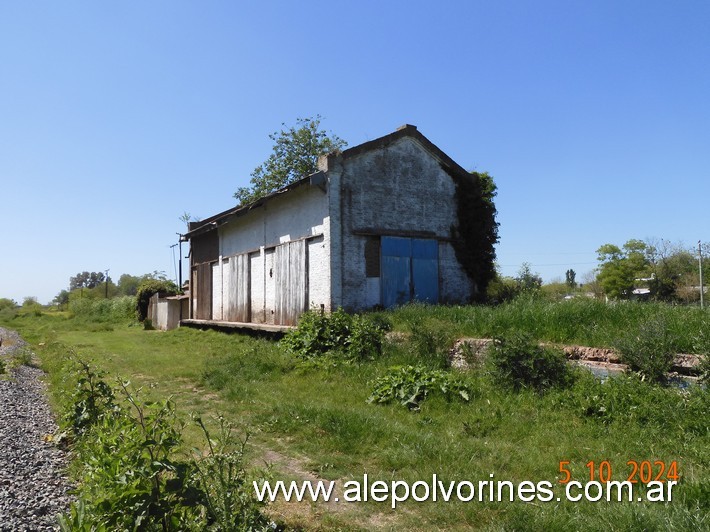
(627, 399)
(581, 321)
(133, 475)
(650, 349)
(118, 309)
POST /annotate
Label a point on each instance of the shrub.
(8, 313)
(517, 362)
(410, 385)
(7, 303)
(649, 350)
(356, 337)
(147, 289)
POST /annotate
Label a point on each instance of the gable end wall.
(398, 189)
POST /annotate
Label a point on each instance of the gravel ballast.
(34, 489)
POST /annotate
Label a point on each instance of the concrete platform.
(236, 326)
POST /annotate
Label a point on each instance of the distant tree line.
(652, 269)
(95, 285)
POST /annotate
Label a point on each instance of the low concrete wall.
(166, 313)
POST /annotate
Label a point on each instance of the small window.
(372, 256)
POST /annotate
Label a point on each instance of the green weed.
(410, 385)
(650, 349)
(517, 361)
(318, 419)
(117, 309)
(354, 337)
(132, 475)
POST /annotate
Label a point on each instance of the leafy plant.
(517, 362)
(131, 476)
(410, 386)
(357, 337)
(92, 399)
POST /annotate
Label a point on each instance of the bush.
(147, 289)
(650, 350)
(520, 362)
(410, 385)
(8, 313)
(356, 337)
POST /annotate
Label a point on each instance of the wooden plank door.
(291, 280)
(236, 289)
(203, 291)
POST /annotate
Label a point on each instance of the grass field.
(313, 420)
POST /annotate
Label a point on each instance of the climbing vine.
(476, 234)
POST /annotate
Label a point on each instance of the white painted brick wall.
(302, 213)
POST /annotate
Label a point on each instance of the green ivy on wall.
(475, 236)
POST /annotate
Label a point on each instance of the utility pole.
(174, 265)
(700, 269)
(180, 262)
(106, 272)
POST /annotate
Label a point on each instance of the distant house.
(375, 227)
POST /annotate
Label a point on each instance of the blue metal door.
(396, 271)
(410, 270)
(425, 270)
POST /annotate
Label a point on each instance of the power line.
(552, 264)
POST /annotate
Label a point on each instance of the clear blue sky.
(117, 117)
